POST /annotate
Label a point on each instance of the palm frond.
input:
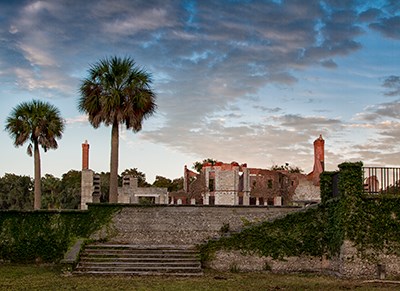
(29, 150)
(117, 90)
(36, 121)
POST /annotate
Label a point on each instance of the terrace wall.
(183, 224)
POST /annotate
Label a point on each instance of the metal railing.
(381, 180)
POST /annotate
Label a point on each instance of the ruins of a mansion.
(237, 184)
(218, 184)
(129, 193)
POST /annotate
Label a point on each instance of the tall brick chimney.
(85, 155)
(319, 159)
(319, 151)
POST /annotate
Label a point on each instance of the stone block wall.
(353, 266)
(184, 224)
(228, 260)
(86, 188)
(347, 264)
(306, 190)
(227, 180)
(225, 198)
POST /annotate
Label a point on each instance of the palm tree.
(117, 92)
(41, 124)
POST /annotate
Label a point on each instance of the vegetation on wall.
(27, 236)
(199, 164)
(371, 224)
(313, 232)
(376, 228)
(326, 185)
(288, 168)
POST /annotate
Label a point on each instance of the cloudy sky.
(249, 81)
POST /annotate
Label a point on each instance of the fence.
(379, 180)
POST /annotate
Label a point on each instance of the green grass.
(32, 277)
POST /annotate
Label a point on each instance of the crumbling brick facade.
(220, 184)
(236, 184)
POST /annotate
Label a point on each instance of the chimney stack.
(85, 155)
(319, 152)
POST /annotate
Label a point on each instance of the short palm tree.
(40, 123)
(116, 92)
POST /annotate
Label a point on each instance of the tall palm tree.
(116, 92)
(41, 124)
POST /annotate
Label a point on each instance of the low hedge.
(42, 235)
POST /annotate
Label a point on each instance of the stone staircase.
(160, 240)
(122, 259)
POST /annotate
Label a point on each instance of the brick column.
(319, 159)
(319, 152)
(85, 155)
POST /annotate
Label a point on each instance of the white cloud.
(150, 19)
(77, 119)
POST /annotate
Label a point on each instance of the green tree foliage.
(137, 174)
(162, 182)
(41, 124)
(104, 186)
(199, 165)
(287, 167)
(70, 197)
(177, 184)
(51, 192)
(116, 92)
(171, 185)
(16, 192)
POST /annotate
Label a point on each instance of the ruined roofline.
(225, 166)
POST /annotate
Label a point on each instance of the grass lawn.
(33, 277)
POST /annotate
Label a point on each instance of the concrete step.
(165, 269)
(86, 264)
(139, 260)
(136, 273)
(140, 252)
(140, 247)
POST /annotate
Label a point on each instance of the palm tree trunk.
(113, 195)
(38, 187)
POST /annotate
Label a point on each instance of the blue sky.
(248, 81)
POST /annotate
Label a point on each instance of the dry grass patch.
(32, 277)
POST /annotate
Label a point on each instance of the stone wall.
(306, 190)
(131, 193)
(183, 224)
(225, 198)
(234, 260)
(347, 264)
(227, 180)
(188, 225)
(86, 188)
(353, 266)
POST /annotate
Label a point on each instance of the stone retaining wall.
(347, 264)
(190, 224)
(183, 224)
(234, 260)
